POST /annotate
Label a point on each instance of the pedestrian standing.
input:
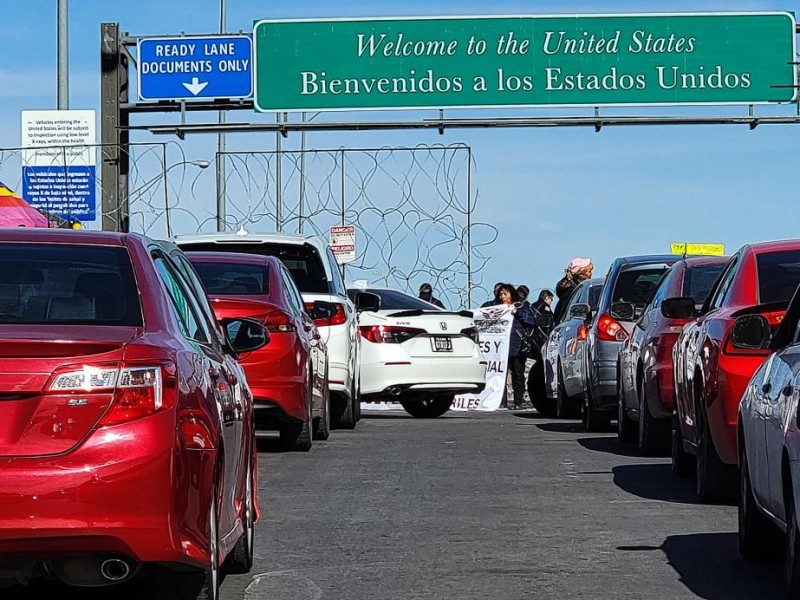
(426, 294)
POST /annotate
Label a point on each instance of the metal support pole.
(469, 227)
(114, 135)
(302, 176)
(341, 167)
(278, 182)
(63, 56)
(221, 212)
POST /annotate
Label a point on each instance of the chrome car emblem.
(443, 325)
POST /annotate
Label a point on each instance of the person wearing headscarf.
(426, 294)
(577, 271)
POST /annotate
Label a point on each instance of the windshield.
(228, 279)
(594, 296)
(395, 300)
(303, 261)
(59, 284)
(637, 284)
(698, 281)
(778, 275)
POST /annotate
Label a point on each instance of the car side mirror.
(623, 311)
(367, 302)
(678, 308)
(751, 332)
(245, 335)
(579, 311)
(545, 321)
(322, 310)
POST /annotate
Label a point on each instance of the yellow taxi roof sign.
(699, 249)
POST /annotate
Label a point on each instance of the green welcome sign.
(461, 62)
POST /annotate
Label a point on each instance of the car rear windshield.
(698, 281)
(395, 300)
(60, 284)
(637, 284)
(229, 279)
(303, 261)
(778, 275)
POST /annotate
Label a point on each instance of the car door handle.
(788, 390)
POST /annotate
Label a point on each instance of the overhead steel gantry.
(116, 109)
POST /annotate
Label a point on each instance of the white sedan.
(769, 442)
(417, 354)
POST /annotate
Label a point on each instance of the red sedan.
(289, 376)
(125, 433)
(645, 395)
(710, 374)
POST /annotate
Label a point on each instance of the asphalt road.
(483, 506)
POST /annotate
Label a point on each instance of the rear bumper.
(283, 400)
(277, 377)
(120, 492)
(661, 391)
(424, 375)
(339, 345)
(603, 382)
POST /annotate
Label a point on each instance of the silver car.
(563, 352)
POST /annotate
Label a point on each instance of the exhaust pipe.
(115, 570)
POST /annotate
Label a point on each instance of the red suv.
(710, 374)
(126, 431)
(289, 377)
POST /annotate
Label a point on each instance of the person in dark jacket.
(426, 294)
(523, 320)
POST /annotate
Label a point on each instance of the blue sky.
(552, 193)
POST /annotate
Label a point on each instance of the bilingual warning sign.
(342, 239)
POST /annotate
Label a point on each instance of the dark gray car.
(628, 288)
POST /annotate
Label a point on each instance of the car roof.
(773, 246)
(66, 236)
(245, 237)
(646, 259)
(700, 261)
(232, 258)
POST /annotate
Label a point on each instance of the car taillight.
(338, 318)
(583, 333)
(471, 333)
(610, 330)
(379, 334)
(279, 322)
(138, 391)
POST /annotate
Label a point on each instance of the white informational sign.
(343, 243)
(494, 333)
(59, 160)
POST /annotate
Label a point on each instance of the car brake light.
(138, 391)
(279, 322)
(379, 334)
(471, 333)
(338, 318)
(583, 333)
(610, 330)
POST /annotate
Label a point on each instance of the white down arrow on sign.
(195, 87)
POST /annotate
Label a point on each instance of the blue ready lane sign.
(184, 68)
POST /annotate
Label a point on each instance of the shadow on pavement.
(561, 427)
(608, 444)
(530, 415)
(654, 482)
(709, 565)
(268, 444)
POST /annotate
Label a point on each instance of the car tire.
(625, 426)
(214, 573)
(322, 425)
(344, 416)
(653, 434)
(758, 537)
(682, 464)
(240, 560)
(428, 407)
(791, 555)
(566, 407)
(715, 480)
(536, 390)
(594, 420)
(296, 435)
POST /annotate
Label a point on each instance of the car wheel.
(716, 481)
(240, 560)
(653, 438)
(758, 537)
(593, 419)
(625, 431)
(566, 407)
(791, 555)
(322, 426)
(428, 407)
(297, 435)
(682, 462)
(345, 411)
(537, 392)
(214, 573)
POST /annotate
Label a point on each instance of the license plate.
(441, 344)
